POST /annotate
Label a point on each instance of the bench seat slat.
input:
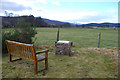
(39, 57)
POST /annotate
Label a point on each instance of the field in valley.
(87, 61)
(79, 37)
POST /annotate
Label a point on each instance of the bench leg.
(35, 67)
(46, 63)
(10, 57)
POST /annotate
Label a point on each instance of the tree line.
(10, 22)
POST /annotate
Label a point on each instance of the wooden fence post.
(99, 39)
(58, 33)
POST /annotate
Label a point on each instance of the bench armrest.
(43, 51)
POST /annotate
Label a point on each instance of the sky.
(74, 11)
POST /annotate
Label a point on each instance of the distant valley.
(43, 22)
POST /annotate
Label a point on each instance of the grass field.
(87, 61)
(80, 37)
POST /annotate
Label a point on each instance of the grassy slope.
(83, 63)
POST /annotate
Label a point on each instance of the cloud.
(112, 11)
(99, 17)
(30, 3)
(34, 11)
(25, 7)
(66, 16)
(13, 6)
(56, 3)
(17, 5)
(89, 0)
(41, 1)
(22, 7)
(82, 17)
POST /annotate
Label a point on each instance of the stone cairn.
(63, 47)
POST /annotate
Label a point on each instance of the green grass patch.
(80, 37)
(83, 63)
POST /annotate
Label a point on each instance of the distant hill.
(43, 22)
(106, 24)
(53, 21)
(103, 24)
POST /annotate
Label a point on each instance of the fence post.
(58, 33)
(99, 39)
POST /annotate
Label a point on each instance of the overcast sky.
(75, 11)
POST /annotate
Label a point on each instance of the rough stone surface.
(63, 47)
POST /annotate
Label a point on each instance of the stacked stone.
(63, 47)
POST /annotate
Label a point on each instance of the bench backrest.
(25, 51)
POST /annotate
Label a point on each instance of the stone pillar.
(63, 47)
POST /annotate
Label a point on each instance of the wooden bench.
(26, 51)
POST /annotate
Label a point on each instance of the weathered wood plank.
(25, 51)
